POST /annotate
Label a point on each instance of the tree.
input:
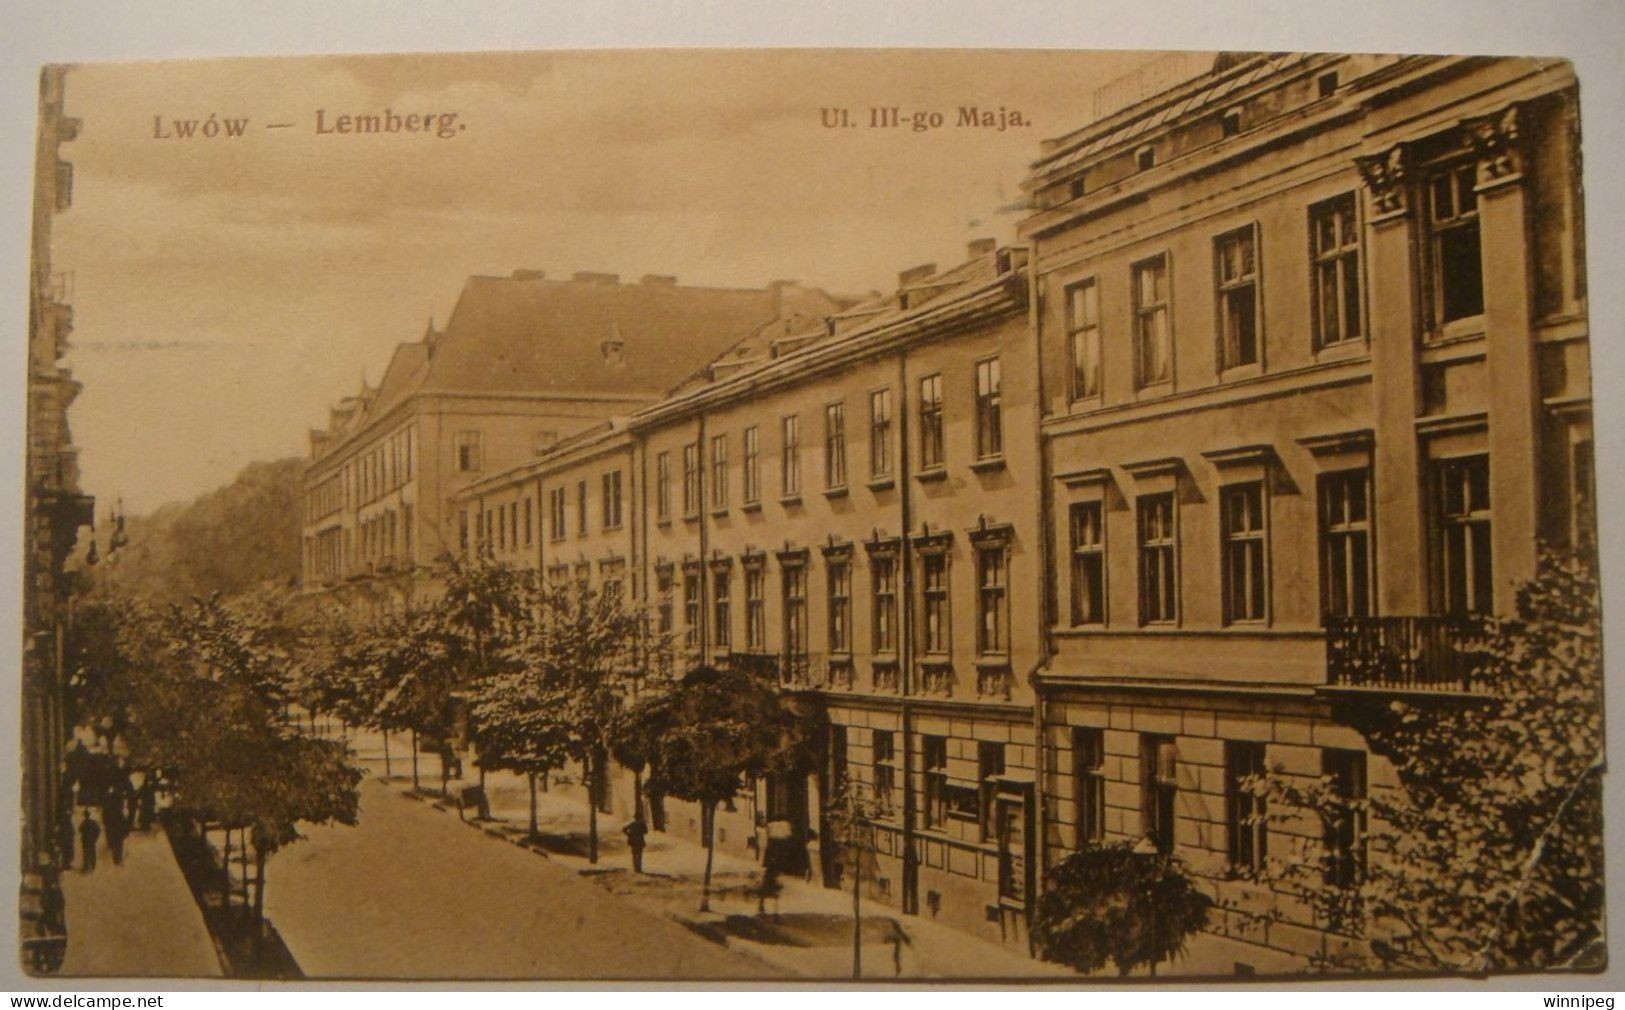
(415, 664)
(851, 817)
(517, 727)
(487, 606)
(1113, 903)
(717, 728)
(1488, 855)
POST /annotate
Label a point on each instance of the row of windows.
(1453, 285)
(368, 477)
(932, 452)
(1461, 555)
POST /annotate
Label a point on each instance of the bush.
(1113, 903)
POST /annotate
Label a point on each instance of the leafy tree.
(416, 666)
(851, 817)
(1113, 903)
(517, 728)
(717, 728)
(1489, 854)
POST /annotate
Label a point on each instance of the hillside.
(229, 539)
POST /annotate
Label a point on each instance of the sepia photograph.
(1009, 516)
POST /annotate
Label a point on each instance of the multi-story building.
(55, 507)
(1314, 381)
(523, 361)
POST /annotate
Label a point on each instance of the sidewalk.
(807, 931)
(136, 919)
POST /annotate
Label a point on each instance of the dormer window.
(613, 350)
(1145, 158)
(1231, 123)
(1326, 84)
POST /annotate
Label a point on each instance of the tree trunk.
(637, 796)
(387, 771)
(857, 915)
(445, 772)
(259, 888)
(415, 784)
(533, 831)
(592, 808)
(709, 816)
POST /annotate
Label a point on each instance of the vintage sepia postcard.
(790, 516)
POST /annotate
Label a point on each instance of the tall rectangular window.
(934, 591)
(756, 608)
(612, 500)
(663, 485)
(462, 531)
(663, 598)
(1083, 338)
(795, 610)
(885, 767)
(1334, 247)
(989, 773)
(530, 523)
(992, 600)
(934, 761)
(1153, 350)
(880, 464)
(1458, 267)
(691, 608)
(721, 608)
(555, 513)
(835, 445)
(753, 465)
(989, 410)
(1159, 574)
(1088, 563)
(719, 471)
(883, 575)
(1159, 786)
(691, 480)
(840, 605)
(1089, 774)
(1241, 517)
(1236, 271)
(581, 508)
(790, 464)
(1463, 506)
(1346, 828)
(1244, 807)
(931, 447)
(468, 451)
(1345, 543)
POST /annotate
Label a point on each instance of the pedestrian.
(53, 906)
(89, 833)
(635, 833)
(146, 804)
(118, 829)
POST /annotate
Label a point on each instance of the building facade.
(1314, 382)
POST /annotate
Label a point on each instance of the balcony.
(1403, 654)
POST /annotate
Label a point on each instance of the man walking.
(89, 833)
(635, 834)
(117, 830)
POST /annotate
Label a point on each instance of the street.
(412, 893)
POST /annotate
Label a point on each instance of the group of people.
(97, 781)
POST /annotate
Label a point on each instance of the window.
(513, 526)
(1326, 83)
(1345, 832)
(989, 410)
(555, 513)
(719, 471)
(663, 485)
(1236, 263)
(880, 433)
(530, 523)
(1463, 552)
(1241, 517)
(1158, 786)
(1088, 564)
(1458, 269)
(989, 770)
(885, 767)
(663, 594)
(934, 586)
(1334, 245)
(935, 763)
(407, 454)
(1089, 773)
(1159, 575)
(883, 573)
(1083, 337)
(479, 530)
(1345, 543)
(931, 449)
(691, 480)
(613, 576)
(612, 500)
(691, 608)
(581, 508)
(835, 445)
(840, 605)
(1582, 495)
(1230, 123)
(791, 463)
(406, 529)
(753, 465)
(755, 608)
(992, 600)
(722, 618)
(795, 610)
(1152, 353)
(1144, 158)
(1244, 808)
(468, 451)
(838, 754)
(462, 531)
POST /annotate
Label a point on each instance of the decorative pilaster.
(1497, 140)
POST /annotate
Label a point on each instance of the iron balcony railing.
(1425, 653)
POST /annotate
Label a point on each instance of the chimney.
(588, 277)
(980, 247)
(659, 280)
(528, 275)
(915, 274)
(777, 289)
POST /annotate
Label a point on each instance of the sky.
(227, 290)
